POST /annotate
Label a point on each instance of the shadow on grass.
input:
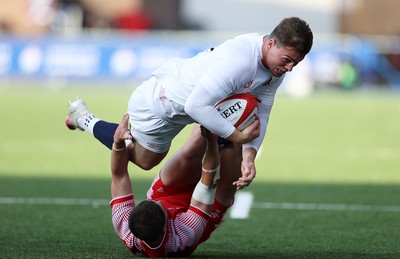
(76, 231)
(305, 254)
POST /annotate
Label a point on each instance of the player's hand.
(248, 169)
(248, 174)
(246, 135)
(123, 133)
(253, 130)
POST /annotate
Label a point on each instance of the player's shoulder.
(244, 48)
(253, 36)
(244, 42)
(249, 41)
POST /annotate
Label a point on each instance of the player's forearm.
(249, 154)
(210, 118)
(210, 163)
(119, 158)
(199, 106)
(204, 192)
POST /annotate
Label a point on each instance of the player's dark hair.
(295, 33)
(147, 221)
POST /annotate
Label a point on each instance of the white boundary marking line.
(256, 205)
(53, 201)
(241, 207)
(321, 206)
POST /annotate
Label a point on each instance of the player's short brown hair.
(295, 33)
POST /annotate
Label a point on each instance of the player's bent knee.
(147, 162)
(146, 166)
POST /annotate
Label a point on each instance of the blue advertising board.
(86, 58)
(134, 57)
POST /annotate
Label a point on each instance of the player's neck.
(264, 51)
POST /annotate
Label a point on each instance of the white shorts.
(152, 125)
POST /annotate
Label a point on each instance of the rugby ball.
(239, 109)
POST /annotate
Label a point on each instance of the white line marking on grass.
(241, 207)
(54, 201)
(321, 206)
(243, 203)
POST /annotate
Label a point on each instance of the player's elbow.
(189, 108)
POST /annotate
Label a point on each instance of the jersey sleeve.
(121, 208)
(200, 107)
(264, 111)
(189, 227)
(232, 68)
(267, 97)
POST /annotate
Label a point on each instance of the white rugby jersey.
(192, 86)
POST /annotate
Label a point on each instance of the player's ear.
(271, 43)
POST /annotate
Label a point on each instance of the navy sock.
(104, 132)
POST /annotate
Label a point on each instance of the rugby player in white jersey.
(184, 91)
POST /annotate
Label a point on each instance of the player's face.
(279, 59)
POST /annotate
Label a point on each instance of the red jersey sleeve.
(121, 208)
(187, 229)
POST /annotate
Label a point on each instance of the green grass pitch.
(327, 186)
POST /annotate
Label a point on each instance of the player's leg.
(143, 157)
(81, 118)
(184, 167)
